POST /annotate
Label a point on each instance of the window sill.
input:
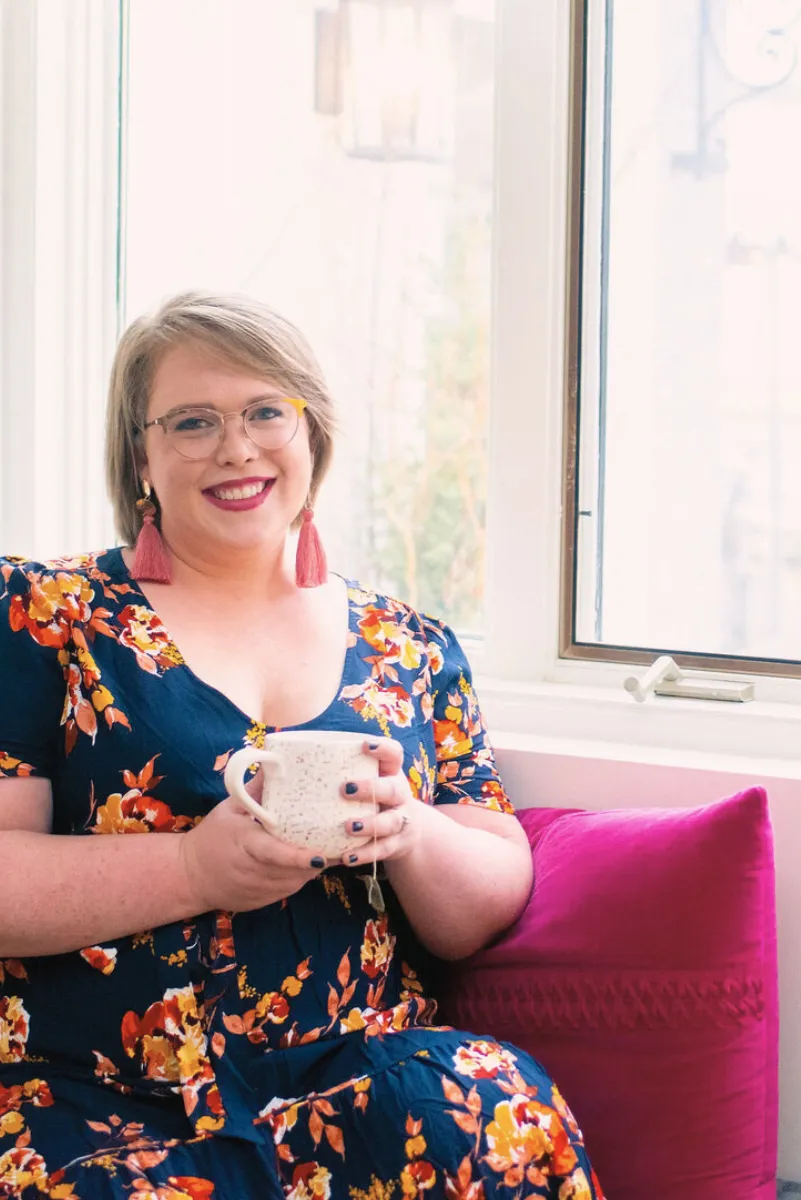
(759, 737)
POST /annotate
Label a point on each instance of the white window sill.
(761, 739)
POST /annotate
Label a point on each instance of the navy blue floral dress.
(288, 1052)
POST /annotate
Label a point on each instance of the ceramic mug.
(301, 799)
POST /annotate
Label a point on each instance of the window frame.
(533, 684)
(587, 42)
(59, 132)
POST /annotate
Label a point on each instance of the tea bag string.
(375, 896)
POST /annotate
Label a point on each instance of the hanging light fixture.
(386, 69)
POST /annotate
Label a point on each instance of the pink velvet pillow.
(643, 976)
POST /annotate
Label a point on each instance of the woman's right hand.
(231, 862)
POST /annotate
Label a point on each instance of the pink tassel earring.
(311, 568)
(150, 564)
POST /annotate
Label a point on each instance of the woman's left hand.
(394, 830)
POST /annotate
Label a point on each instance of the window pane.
(335, 160)
(691, 362)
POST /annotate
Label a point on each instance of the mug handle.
(234, 779)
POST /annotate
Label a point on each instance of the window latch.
(665, 678)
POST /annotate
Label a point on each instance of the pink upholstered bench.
(643, 976)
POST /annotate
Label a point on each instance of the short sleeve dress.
(288, 1052)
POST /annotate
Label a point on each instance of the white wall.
(563, 776)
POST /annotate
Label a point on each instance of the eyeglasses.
(196, 432)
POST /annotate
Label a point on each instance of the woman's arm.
(62, 893)
(466, 879)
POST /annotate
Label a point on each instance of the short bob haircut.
(242, 332)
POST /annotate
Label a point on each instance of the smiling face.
(213, 507)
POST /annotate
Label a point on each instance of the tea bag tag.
(375, 896)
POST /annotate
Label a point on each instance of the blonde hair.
(243, 332)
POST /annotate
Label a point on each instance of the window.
(243, 167)
(684, 528)
(335, 159)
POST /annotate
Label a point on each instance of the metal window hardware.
(665, 678)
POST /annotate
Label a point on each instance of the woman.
(218, 1013)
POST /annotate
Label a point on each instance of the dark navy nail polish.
(352, 858)
(372, 745)
(318, 862)
(357, 826)
(351, 789)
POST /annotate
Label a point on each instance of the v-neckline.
(122, 570)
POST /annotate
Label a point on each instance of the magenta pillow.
(642, 974)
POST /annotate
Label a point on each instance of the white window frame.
(527, 690)
(59, 116)
(58, 247)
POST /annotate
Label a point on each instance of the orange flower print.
(525, 1135)
(272, 1007)
(170, 1045)
(14, 967)
(281, 1116)
(460, 720)
(421, 778)
(104, 1068)
(144, 634)
(33, 1091)
(416, 1143)
(82, 675)
(310, 1181)
(101, 959)
(361, 1088)
(377, 947)
(53, 604)
(14, 1029)
(483, 756)
(418, 1176)
(135, 811)
(22, 1168)
(10, 766)
(78, 711)
(221, 945)
(178, 1187)
(494, 797)
(383, 630)
(462, 1186)
(191, 1188)
(577, 1187)
(436, 660)
(451, 740)
(153, 1039)
(386, 705)
(11, 1123)
(560, 1104)
(74, 562)
(483, 1060)
(361, 597)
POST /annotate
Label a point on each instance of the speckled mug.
(301, 800)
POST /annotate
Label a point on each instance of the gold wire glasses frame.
(196, 431)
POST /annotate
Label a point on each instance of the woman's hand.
(231, 862)
(395, 829)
